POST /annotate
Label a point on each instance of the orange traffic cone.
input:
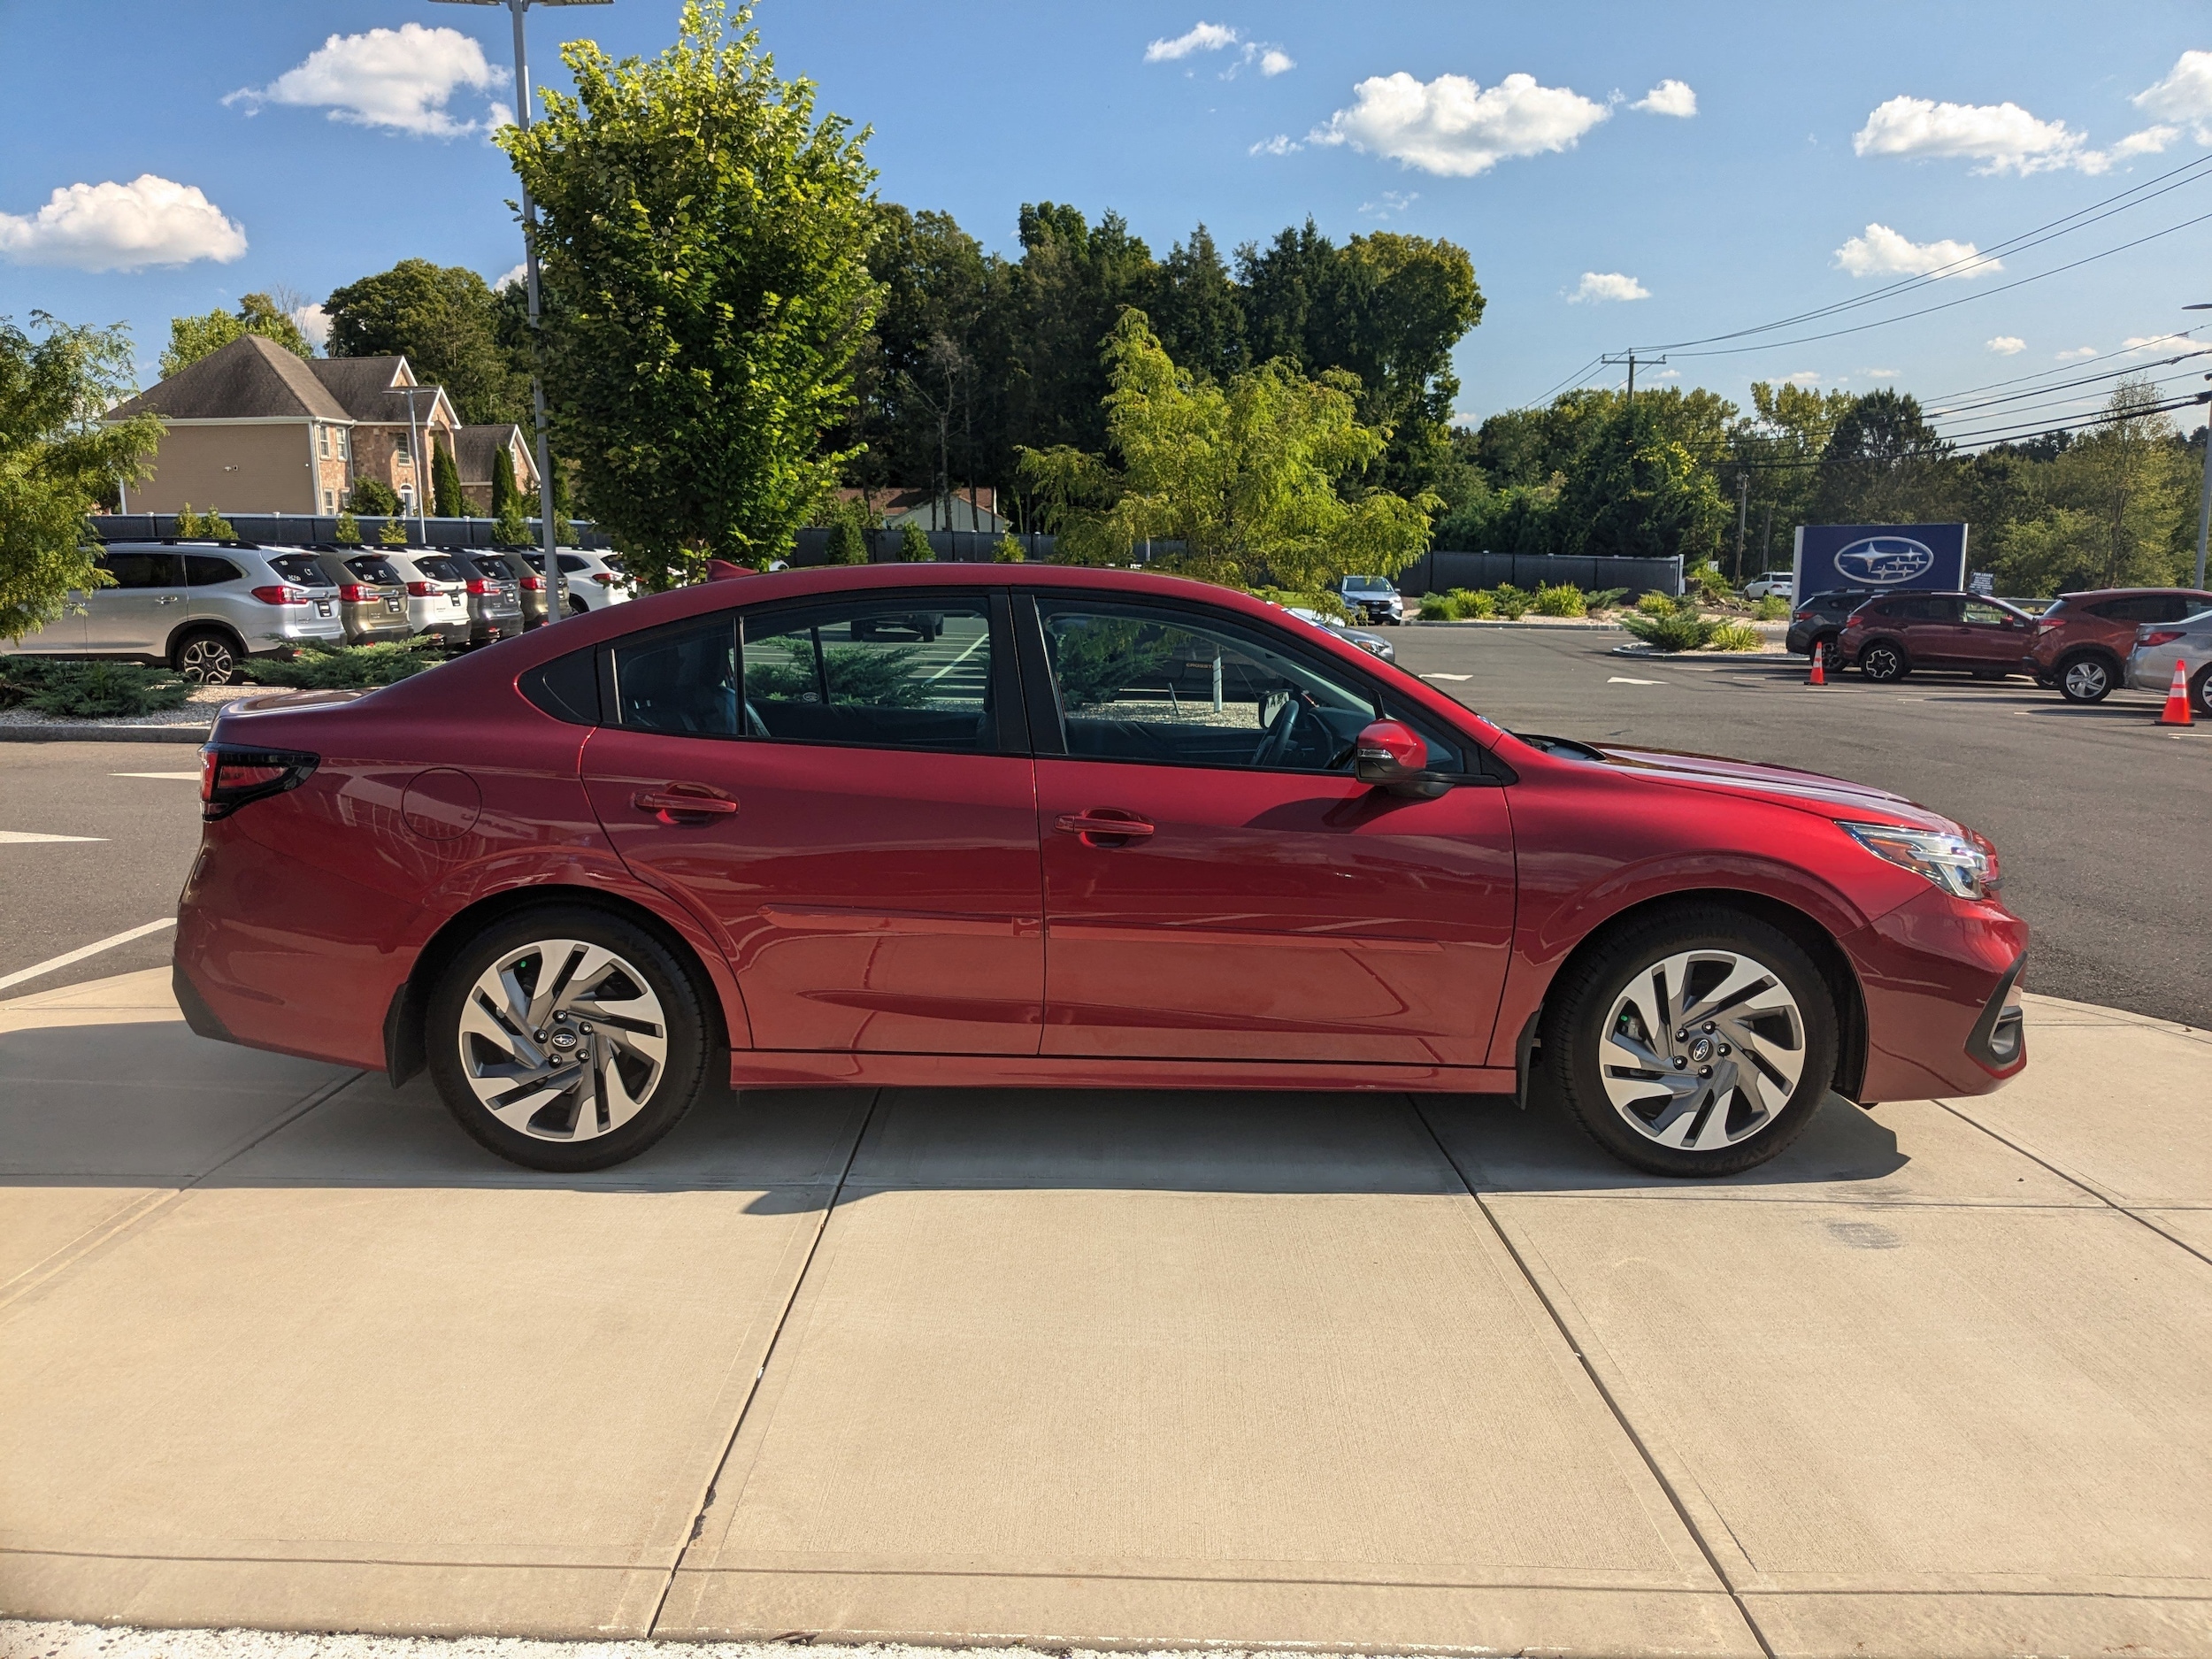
(2177, 710)
(1819, 676)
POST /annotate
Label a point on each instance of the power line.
(1932, 409)
(2155, 339)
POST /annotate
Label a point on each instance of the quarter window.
(204, 569)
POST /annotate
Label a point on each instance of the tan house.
(254, 428)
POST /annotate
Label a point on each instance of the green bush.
(511, 525)
(1512, 603)
(914, 547)
(1773, 608)
(1563, 599)
(1654, 605)
(349, 531)
(393, 533)
(88, 691)
(1733, 636)
(1009, 551)
(343, 667)
(1461, 605)
(374, 497)
(847, 544)
(1706, 580)
(1675, 631)
(1605, 599)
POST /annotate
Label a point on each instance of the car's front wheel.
(567, 1039)
(1699, 1043)
(2086, 680)
(1884, 663)
(205, 658)
(2200, 690)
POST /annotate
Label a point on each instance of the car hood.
(1784, 786)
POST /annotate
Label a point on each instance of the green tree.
(848, 545)
(1777, 448)
(1247, 476)
(349, 531)
(2117, 506)
(373, 496)
(1883, 464)
(504, 490)
(1009, 551)
(445, 484)
(914, 547)
(704, 249)
(58, 462)
(192, 338)
(446, 321)
(393, 533)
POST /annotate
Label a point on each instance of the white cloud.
(1879, 374)
(1204, 37)
(1668, 98)
(1608, 284)
(2185, 94)
(311, 320)
(400, 79)
(1282, 144)
(2151, 141)
(2006, 345)
(1882, 251)
(1453, 126)
(1392, 201)
(2155, 345)
(2003, 137)
(1276, 61)
(2076, 353)
(114, 226)
(520, 274)
(1803, 377)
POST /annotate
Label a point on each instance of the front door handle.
(1109, 825)
(682, 801)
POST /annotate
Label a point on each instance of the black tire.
(207, 656)
(577, 607)
(1831, 654)
(645, 963)
(2086, 676)
(1583, 1000)
(1885, 662)
(2200, 691)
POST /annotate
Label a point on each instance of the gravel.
(200, 708)
(24, 1639)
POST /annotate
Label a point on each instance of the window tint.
(2055, 610)
(144, 570)
(1927, 607)
(372, 567)
(438, 568)
(681, 681)
(304, 568)
(874, 672)
(571, 563)
(1977, 611)
(204, 569)
(1138, 682)
(567, 687)
(496, 569)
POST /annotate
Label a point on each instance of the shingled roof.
(474, 448)
(249, 377)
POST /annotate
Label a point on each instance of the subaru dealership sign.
(1833, 555)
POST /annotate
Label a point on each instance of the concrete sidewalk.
(286, 1349)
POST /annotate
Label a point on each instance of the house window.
(399, 449)
(322, 441)
(330, 501)
(345, 444)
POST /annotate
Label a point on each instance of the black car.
(1820, 618)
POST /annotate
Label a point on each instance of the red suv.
(2082, 642)
(1890, 636)
(1102, 828)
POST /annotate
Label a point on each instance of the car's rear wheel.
(2200, 690)
(1699, 1043)
(207, 656)
(1831, 654)
(2085, 679)
(1884, 663)
(567, 1039)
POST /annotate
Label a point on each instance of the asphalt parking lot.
(2099, 813)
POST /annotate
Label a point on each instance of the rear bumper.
(2153, 669)
(1940, 978)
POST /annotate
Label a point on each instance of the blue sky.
(1831, 150)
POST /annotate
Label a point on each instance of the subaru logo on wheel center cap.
(1885, 560)
(564, 1040)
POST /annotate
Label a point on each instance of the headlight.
(1964, 866)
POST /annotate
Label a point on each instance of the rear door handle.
(1105, 821)
(681, 801)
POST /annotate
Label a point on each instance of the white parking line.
(82, 951)
(11, 837)
(189, 777)
(1623, 680)
(1447, 676)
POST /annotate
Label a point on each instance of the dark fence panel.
(1440, 571)
(286, 529)
(951, 547)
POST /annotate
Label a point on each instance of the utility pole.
(556, 583)
(2204, 496)
(1743, 510)
(1631, 359)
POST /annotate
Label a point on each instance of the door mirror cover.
(1390, 755)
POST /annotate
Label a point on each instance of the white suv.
(594, 580)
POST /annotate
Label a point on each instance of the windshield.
(1365, 585)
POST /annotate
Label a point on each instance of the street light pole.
(556, 584)
(2204, 496)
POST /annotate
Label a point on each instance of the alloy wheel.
(562, 1039)
(1881, 661)
(206, 661)
(1701, 1049)
(2086, 681)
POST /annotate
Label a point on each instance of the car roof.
(2127, 593)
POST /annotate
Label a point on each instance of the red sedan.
(936, 824)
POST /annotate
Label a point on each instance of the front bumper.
(1941, 977)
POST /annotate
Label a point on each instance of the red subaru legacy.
(974, 826)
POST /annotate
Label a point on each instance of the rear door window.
(878, 672)
(681, 681)
(144, 570)
(204, 569)
(494, 568)
(1928, 608)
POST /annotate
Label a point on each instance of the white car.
(436, 602)
(1782, 582)
(596, 579)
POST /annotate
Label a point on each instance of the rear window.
(2056, 608)
(372, 568)
(494, 568)
(440, 569)
(304, 568)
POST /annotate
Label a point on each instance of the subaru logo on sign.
(1883, 561)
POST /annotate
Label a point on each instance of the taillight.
(425, 590)
(354, 592)
(479, 587)
(230, 778)
(2157, 636)
(534, 584)
(2047, 628)
(1802, 615)
(602, 577)
(284, 593)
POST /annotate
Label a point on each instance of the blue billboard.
(1879, 556)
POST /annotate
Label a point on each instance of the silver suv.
(199, 607)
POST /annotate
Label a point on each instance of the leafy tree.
(1009, 551)
(703, 246)
(1245, 477)
(192, 338)
(847, 543)
(58, 462)
(1778, 447)
(445, 321)
(914, 547)
(513, 527)
(2115, 507)
(373, 497)
(349, 531)
(393, 533)
(1883, 464)
(445, 484)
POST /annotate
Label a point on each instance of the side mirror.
(1390, 755)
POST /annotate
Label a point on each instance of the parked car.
(1891, 636)
(596, 579)
(623, 849)
(1782, 582)
(537, 602)
(201, 607)
(436, 605)
(2082, 642)
(1819, 621)
(372, 600)
(1371, 599)
(2158, 647)
(1374, 644)
(494, 597)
